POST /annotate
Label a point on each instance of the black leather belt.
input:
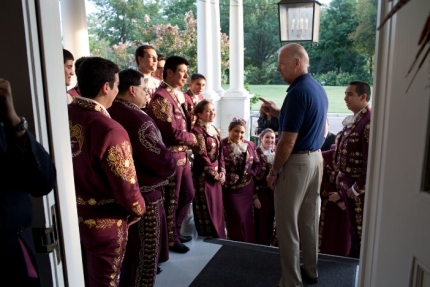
(303, 151)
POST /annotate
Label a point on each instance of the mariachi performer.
(168, 110)
(264, 205)
(155, 165)
(194, 94)
(208, 174)
(107, 192)
(241, 164)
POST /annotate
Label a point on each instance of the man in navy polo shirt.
(297, 170)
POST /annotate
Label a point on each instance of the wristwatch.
(271, 173)
(22, 126)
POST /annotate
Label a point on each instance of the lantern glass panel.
(297, 21)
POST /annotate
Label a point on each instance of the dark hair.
(236, 122)
(361, 88)
(127, 78)
(161, 57)
(67, 56)
(197, 77)
(262, 113)
(201, 105)
(172, 64)
(140, 51)
(94, 72)
(78, 63)
(265, 131)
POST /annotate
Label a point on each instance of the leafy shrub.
(343, 79)
(329, 78)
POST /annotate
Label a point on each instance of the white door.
(32, 61)
(396, 250)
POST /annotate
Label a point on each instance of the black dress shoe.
(179, 248)
(159, 270)
(306, 278)
(184, 239)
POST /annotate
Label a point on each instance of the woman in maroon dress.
(241, 164)
(208, 174)
(264, 206)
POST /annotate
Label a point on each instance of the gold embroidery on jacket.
(121, 162)
(148, 188)
(92, 201)
(138, 209)
(162, 109)
(149, 136)
(178, 148)
(100, 223)
(76, 138)
(181, 161)
(90, 105)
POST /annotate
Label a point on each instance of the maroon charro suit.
(208, 164)
(351, 159)
(265, 216)
(107, 193)
(155, 164)
(174, 124)
(192, 101)
(238, 190)
(334, 228)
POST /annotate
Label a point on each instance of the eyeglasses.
(160, 68)
(143, 88)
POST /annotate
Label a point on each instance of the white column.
(236, 46)
(216, 57)
(204, 42)
(205, 51)
(216, 48)
(235, 102)
(74, 29)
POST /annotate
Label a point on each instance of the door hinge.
(45, 239)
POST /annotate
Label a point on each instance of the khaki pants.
(297, 209)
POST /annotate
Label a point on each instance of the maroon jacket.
(173, 121)
(208, 157)
(352, 151)
(105, 177)
(251, 168)
(148, 146)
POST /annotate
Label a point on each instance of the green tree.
(167, 39)
(176, 11)
(171, 40)
(261, 31)
(364, 35)
(338, 22)
(117, 20)
(347, 40)
(224, 11)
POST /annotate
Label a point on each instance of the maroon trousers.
(163, 254)
(103, 246)
(179, 195)
(139, 267)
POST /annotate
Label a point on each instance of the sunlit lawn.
(276, 93)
